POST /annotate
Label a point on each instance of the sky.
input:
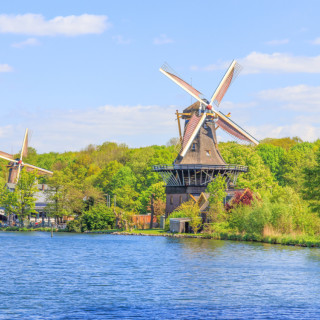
(85, 72)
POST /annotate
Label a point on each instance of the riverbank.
(289, 240)
(298, 240)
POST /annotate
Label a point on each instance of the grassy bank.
(296, 240)
(25, 229)
(290, 240)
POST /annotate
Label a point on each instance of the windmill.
(199, 160)
(16, 165)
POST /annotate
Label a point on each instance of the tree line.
(281, 176)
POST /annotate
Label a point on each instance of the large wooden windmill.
(16, 165)
(199, 160)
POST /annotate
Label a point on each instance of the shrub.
(251, 220)
(98, 217)
(74, 226)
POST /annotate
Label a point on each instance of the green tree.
(217, 194)
(311, 185)
(158, 189)
(123, 177)
(127, 198)
(9, 201)
(26, 189)
(57, 194)
(272, 156)
(105, 176)
(295, 160)
(285, 143)
(258, 175)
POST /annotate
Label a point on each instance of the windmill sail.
(24, 150)
(41, 171)
(231, 74)
(6, 156)
(171, 74)
(192, 129)
(234, 130)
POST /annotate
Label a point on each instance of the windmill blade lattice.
(171, 74)
(231, 74)
(42, 171)
(191, 131)
(6, 156)
(234, 130)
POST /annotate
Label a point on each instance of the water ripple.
(124, 277)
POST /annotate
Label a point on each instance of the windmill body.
(199, 160)
(203, 148)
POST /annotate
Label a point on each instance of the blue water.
(74, 276)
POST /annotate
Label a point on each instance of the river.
(84, 276)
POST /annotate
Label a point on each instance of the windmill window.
(171, 200)
(208, 153)
(193, 147)
(180, 199)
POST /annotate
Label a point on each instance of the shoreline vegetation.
(287, 240)
(103, 188)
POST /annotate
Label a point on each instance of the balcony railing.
(231, 167)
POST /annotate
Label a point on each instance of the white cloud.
(281, 112)
(316, 41)
(257, 62)
(35, 24)
(304, 130)
(300, 97)
(277, 42)
(119, 39)
(60, 130)
(26, 43)
(5, 68)
(162, 39)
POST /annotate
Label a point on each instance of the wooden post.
(114, 212)
(179, 126)
(152, 211)
(51, 231)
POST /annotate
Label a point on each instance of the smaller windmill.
(16, 165)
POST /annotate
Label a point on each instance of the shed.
(180, 225)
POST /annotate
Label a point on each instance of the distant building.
(41, 204)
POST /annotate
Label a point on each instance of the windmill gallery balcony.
(197, 175)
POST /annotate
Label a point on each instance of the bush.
(98, 217)
(251, 220)
(74, 226)
(12, 229)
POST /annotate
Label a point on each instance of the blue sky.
(81, 72)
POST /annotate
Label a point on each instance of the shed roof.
(180, 219)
